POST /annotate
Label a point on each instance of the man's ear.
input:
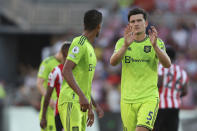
(99, 26)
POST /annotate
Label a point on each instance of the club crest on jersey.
(129, 48)
(147, 49)
(75, 50)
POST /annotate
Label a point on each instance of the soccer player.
(45, 68)
(140, 54)
(172, 83)
(75, 102)
(55, 80)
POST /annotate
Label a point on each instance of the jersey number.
(149, 116)
(170, 82)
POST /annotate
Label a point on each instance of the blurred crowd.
(106, 85)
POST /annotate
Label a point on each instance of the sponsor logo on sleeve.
(75, 50)
(129, 48)
(71, 55)
(41, 69)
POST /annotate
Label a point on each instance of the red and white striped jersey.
(173, 80)
(55, 80)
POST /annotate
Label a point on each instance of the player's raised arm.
(162, 55)
(128, 39)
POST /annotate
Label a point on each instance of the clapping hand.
(153, 36)
(99, 111)
(129, 35)
(90, 119)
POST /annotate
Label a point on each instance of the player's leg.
(65, 114)
(72, 117)
(84, 120)
(78, 121)
(172, 119)
(58, 123)
(147, 113)
(128, 116)
(51, 122)
(161, 120)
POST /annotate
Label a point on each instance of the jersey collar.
(142, 40)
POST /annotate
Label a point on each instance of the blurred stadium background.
(31, 30)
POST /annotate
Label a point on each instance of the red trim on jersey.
(57, 83)
(178, 94)
(50, 79)
(166, 91)
(173, 85)
(161, 88)
(57, 87)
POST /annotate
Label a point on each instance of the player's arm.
(128, 39)
(117, 57)
(99, 110)
(184, 90)
(40, 87)
(68, 76)
(52, 79)
(42, 77)
(160, 81)
(47, 98)
(161, 55)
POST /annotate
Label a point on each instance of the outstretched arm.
(128, 39)
(162, 55)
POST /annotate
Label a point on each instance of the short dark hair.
(171, 53)
(92, 19)
(65, 47)
(136, 11)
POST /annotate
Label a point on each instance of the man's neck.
(58, 57)
(90, 36)
(140, 37)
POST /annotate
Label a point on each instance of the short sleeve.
(43, 70)
(76, 51)
(160, 70)
(119, 44)
(161, 44)
(185, 77)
